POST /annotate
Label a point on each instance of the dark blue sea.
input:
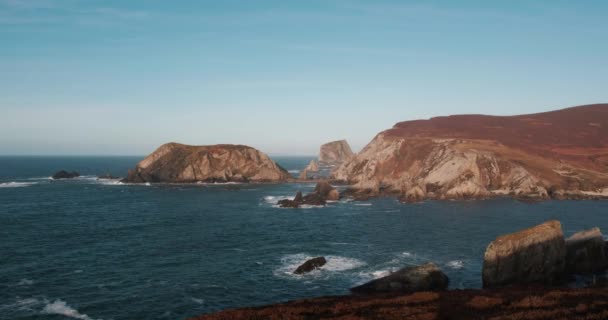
(91, 249)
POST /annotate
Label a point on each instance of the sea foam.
(290, 263)
(60, 307)
(14, 184)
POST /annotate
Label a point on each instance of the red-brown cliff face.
(561, 154)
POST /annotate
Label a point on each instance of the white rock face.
(441, 169)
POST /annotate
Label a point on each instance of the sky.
(123, 77)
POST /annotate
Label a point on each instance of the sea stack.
(335, 153)
(312, 166)
(179, 163)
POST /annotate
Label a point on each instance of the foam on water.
(14, 184)
(60, 307)
(456, 264)
(363, 204)
(25, 282)
(294, 171)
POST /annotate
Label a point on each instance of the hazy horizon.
(122, 78)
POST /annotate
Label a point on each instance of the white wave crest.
(294, 171)
(456, 264)
(60, 307)
(25, 282)
(14, 184)
(275, 199)
(363, 204)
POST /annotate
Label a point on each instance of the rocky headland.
(179, 163)
(560, 154)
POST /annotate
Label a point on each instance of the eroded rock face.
(586, 252)
(463, 157)
(65, 175)
(336, 152)
(311, 265)
(174, 162)
(534, 255)
(427, 277)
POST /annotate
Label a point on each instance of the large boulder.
(335, 153)
(534, 255)
(179, 163)
(62, 174)
(426, 277)
(323, 192)
(295, 203)
(311, 265)
(586, 252)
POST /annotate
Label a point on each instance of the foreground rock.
(335, 153)
(174, 162)
(559, 154)
(506, 303)
(65, 175)
(311, 265)
(323, 192)
(312, 166)
(586, 252)
(427, 277)
(534, 255)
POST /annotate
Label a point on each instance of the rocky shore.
(525, 276)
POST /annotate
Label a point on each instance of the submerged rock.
(295, 203)
(586, 252)
(65, 175)
(174, 162)
(426, 277)
(534, 255)
(311, 265)
(106, 177)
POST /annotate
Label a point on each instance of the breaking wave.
(456, 264)
(14, 184)
(60, 307)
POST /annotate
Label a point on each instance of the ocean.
(92, 249)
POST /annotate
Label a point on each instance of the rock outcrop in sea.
(586, 252)
(63, 174)
(179, 163)
(533, 255)
(310, 265)
(335, 153)
(323, 192)
(426, 277)
(312, 166)
(560, 154)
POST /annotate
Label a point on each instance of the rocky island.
(560, 154)
(179, 163)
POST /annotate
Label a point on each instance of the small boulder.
(426, 277)
(586, 253)
(65, 175)
(327, 191)
(534, 255)
(311, 265)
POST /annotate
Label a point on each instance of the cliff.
(335, 152)
(558, 154)
(174, 162)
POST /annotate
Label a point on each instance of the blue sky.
(122, 77)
